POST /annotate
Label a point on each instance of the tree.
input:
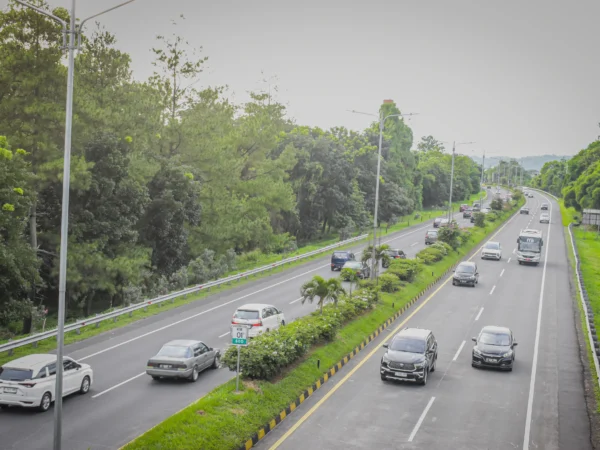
(350, 275)
(430, 144)
(479, 219)
(497, 204)
(321, 289)
(450, 235)
(379, 254)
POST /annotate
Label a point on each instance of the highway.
(123, 401)
(539, 405)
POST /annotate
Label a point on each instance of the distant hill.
(528, 162)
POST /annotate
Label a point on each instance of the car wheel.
(424, 381)
(217, 362)
(45, 402)
(383, 377)
(434, 364)
(85, 385)
(194, 375)
(509, 369)
(154, 377)
(332, 269)
(283, 323)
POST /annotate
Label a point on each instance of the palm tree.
(349, 275)
(379, 255)
(322, 289)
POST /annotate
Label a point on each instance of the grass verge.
(87, 332)
(224, 419)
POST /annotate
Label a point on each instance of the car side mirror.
(386, 345)
(210, 349)
(474, 339)
(515, 344)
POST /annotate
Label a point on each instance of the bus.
(529, 246)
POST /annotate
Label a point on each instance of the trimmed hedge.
(407, 269)
(389, 282)
(268, 354)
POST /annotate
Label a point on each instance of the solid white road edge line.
(502, 273)
(118, 385)
(492, 291)
(479, 314)
(536, 345)
(460, 348)
(418, 425)
(226, 303)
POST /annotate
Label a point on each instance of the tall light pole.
(454, 144)
(74, 33)
(382, 120)
(481, 182)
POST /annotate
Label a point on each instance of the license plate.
(400, 374)
(527, 259)
(10, 390)
(165, 366)
(490, 360)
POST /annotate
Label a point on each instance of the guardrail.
(587, 307)
(97, 319)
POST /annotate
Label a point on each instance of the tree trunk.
(324, 225)
(321, 304)
(28, 320)
(88, 304)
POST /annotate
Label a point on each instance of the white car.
(492, 250)
(544, 218)
(485, 210)
(30, 381)
(261, 317)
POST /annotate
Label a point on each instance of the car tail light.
(258, 324)
(179, 366)
(29, 385)
(151, 364)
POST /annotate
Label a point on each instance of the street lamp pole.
(382, 120)
(481, 183)
(73, 31)
(452, 178)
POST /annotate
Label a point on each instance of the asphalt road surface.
(539, 405)
(124, 402)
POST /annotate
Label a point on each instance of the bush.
(451, 236)
(443, 247)
(465, 235)
(430, 255)
(492, 216)
(497, 204)
(388, 282)
(268, 354)
(348, 275)
(408, 269)
(479, 220)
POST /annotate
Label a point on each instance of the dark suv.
(338, 259)
(466, 274)
(393, 254)
(410, 356)
(467, 213)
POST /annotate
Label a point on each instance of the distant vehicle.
(494, 348)
(544, 218)
(260, 316)
(29, 381)
(393, 254)
(437, 221)
(361, 269)
(444, 223)
(466, 274)
(472, 218)
(529, 246)
(476, 207)
(530, 195)
(467, 213)
(183, 359)
(431, 236)
(489, 187)
(485, 210)
(411, 356)
(492, 250)
(339, 258)
(524, 210)
(544, 207)
(463, 207)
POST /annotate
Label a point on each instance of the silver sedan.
(183, 359)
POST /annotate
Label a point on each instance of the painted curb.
(262, 432)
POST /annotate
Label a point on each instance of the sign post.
(239, 338)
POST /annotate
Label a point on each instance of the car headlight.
(419, 366)
(507, 354)
(477, 352)
(385, 359)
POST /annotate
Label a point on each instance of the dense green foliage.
(171, 185)
(577, 180)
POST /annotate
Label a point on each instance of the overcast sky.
(517, 77)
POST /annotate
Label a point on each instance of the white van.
(262, 318)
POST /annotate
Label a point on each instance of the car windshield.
(409, 345)
(10, 374)
(175, 351)
(492, 246)
(352, 265)
(246, 314)
(494, 339)
(465, 269)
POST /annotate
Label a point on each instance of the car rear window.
(246, 314)
(432, 233)
(175, 351)
(10, 374)
(340, 255)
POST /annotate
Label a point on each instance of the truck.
(529, 246)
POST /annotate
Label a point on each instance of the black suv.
(467, 213)
(338, 259)
(466, 274)
(494, 348)
(393, 254)
(544, 207)
(410, 356)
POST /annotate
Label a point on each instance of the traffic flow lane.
(362, 396)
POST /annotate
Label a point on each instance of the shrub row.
(268, 354)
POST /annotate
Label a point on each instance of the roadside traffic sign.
(239, 335)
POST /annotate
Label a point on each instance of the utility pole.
(481, 183)
(452, 177)
(74, 33)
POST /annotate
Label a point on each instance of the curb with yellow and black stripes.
(337, 367)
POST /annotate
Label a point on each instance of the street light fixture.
(382, 120)
(74, 32)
